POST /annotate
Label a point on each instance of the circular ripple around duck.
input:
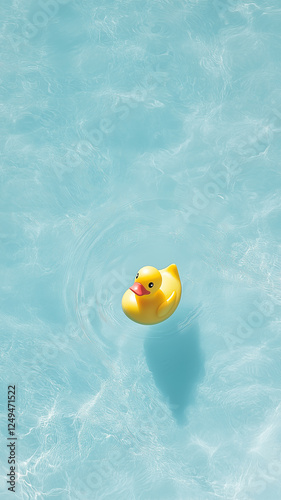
(106, 258)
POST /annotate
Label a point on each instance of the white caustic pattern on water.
(139, 133)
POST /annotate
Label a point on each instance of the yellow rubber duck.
(154, 296)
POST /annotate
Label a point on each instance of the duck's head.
(148, 281)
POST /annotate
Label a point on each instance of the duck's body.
(154, 296)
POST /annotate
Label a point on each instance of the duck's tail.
(173, 270)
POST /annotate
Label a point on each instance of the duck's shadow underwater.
(174, 357)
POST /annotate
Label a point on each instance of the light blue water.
(141, 133)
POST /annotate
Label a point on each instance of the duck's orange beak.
(139, 289)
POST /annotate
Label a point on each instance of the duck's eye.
(150, 284)
(137, 276)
